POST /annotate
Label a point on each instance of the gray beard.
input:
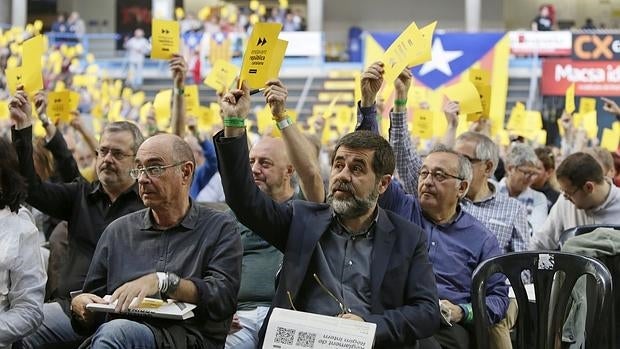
(353, 206)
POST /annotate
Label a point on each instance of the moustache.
(341, 186)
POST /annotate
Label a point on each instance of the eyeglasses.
(438, 175)
(116, 153)
(343, 308)
(472, 160)
(570, 195)
(528, 174)
(151, 171)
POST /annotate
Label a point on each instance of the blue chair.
(554, 274)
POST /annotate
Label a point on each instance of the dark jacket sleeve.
(66, 166)
(253, 208)
(367, 118)
(218, 288)
(53, 199)
(418, 317)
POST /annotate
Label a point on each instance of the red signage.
(591, 78)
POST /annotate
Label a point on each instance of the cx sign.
(596, 47)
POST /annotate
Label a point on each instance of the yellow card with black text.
(259, 52)
(192, 102)
(466, 94)
(14, 78)
(33, 50)
(58, 106)
(166, 39)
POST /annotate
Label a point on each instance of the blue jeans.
(121, 334)
(247, 337)
(55, 329)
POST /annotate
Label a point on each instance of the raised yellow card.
(222, 75)
(192, 102)
(166, 39)
(422, 49)
(259, 52)
(569, 99)
(74, 101)
(587, 104)
(162, 107)
(466, 94)
(58, 106)
(402, 52)
(4, 110)
(276, 59)
(206, 119)
(610, 140)
(423, 123)
(14, 78)
(33, 50)
(480, 76)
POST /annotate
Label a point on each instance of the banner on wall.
(596, 47)
(454, 56)
(552, 43)
(591, 78)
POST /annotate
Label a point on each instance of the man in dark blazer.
(346, 258)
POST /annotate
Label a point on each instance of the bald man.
(173, 249)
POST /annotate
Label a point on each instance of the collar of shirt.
(4, 212)
(461, 220)
(488, 198)
(188, 222)
(97, 189)
(368, 232)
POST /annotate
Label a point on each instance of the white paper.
(529, 289)
(290, 329)
(169, 310)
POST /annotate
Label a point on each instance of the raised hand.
(610, 106)
(275, 95)
(371, 81)
(236, 103)
(402, 84)
(178, 67)
(40, 102)
(451, 110)
(20, 109)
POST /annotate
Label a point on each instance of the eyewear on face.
(117, 154)
(438, 176)
(151, 171)
(472, 160)
(570, 195)
(528, 174)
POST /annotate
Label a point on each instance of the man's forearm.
(305, 163)
(186, 292)
(178, 111)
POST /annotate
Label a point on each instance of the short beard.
(353, 206)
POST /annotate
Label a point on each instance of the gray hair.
(486, 149)
(521, 154)
(464, 168)
(126, 126)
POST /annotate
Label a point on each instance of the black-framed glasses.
(437, 175)
(527, 174)
(570, 195)
(151, 171)
(116, 153)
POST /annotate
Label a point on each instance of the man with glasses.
(521, 171)
(87, 207)
(588, 197)
(347, 258)
(186, 252)
(413, 172)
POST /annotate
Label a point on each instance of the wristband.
(173, 283)
(468, 317)
(45, 121)
(180, 91)
(161, 281)
(400, 102)
(234, 122)
(284, 123)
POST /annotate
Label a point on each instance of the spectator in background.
(604, 158)
(136, 47)
(589, 25)
(76, 25)
(587, 198)
(22, 275)
(521, 171)
(60, 25)
(290, 24)
(545, 181)
(543, 21)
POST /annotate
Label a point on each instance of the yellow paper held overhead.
(467, 95)
(137, 99)
(192, 102)
(275, 63)
(33, 50)
(162, 107)
(259, 52)
(533, 120)
(166, 39)
(264, 120)
(479, 76)
(222, 75)
(4, 110)
(422, 50)
(114, 114)
(58, 106)
(569, 99)
(423, 123)
(610, 139)
(14, 78)
(587, 104)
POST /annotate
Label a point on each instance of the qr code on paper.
(306, 339)
(284, 336)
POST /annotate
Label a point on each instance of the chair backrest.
(584, 229)
(554, 274)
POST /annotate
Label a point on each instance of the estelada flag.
(453, 56)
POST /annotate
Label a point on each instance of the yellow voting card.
(58, 106)
(397, 56)
(206, 119)
(610, 139)
(422, 50)
(467, 95)
(276, 59)
(423, 123)
(14, 78)
(222, 75)
(162, 107)
(4, 110)
(479, 76)
(74, 101)
(259, 53)
(569, 99)
(114, 114)
(166, 39)
(192, 102)
(587, 104)
(33, 50)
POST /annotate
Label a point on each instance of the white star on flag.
(441, 59)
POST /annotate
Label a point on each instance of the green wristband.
(469, 313)
(234, 122)
(400, 102)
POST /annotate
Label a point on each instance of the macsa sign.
(591, 78)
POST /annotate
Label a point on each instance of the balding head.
(271, 168)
